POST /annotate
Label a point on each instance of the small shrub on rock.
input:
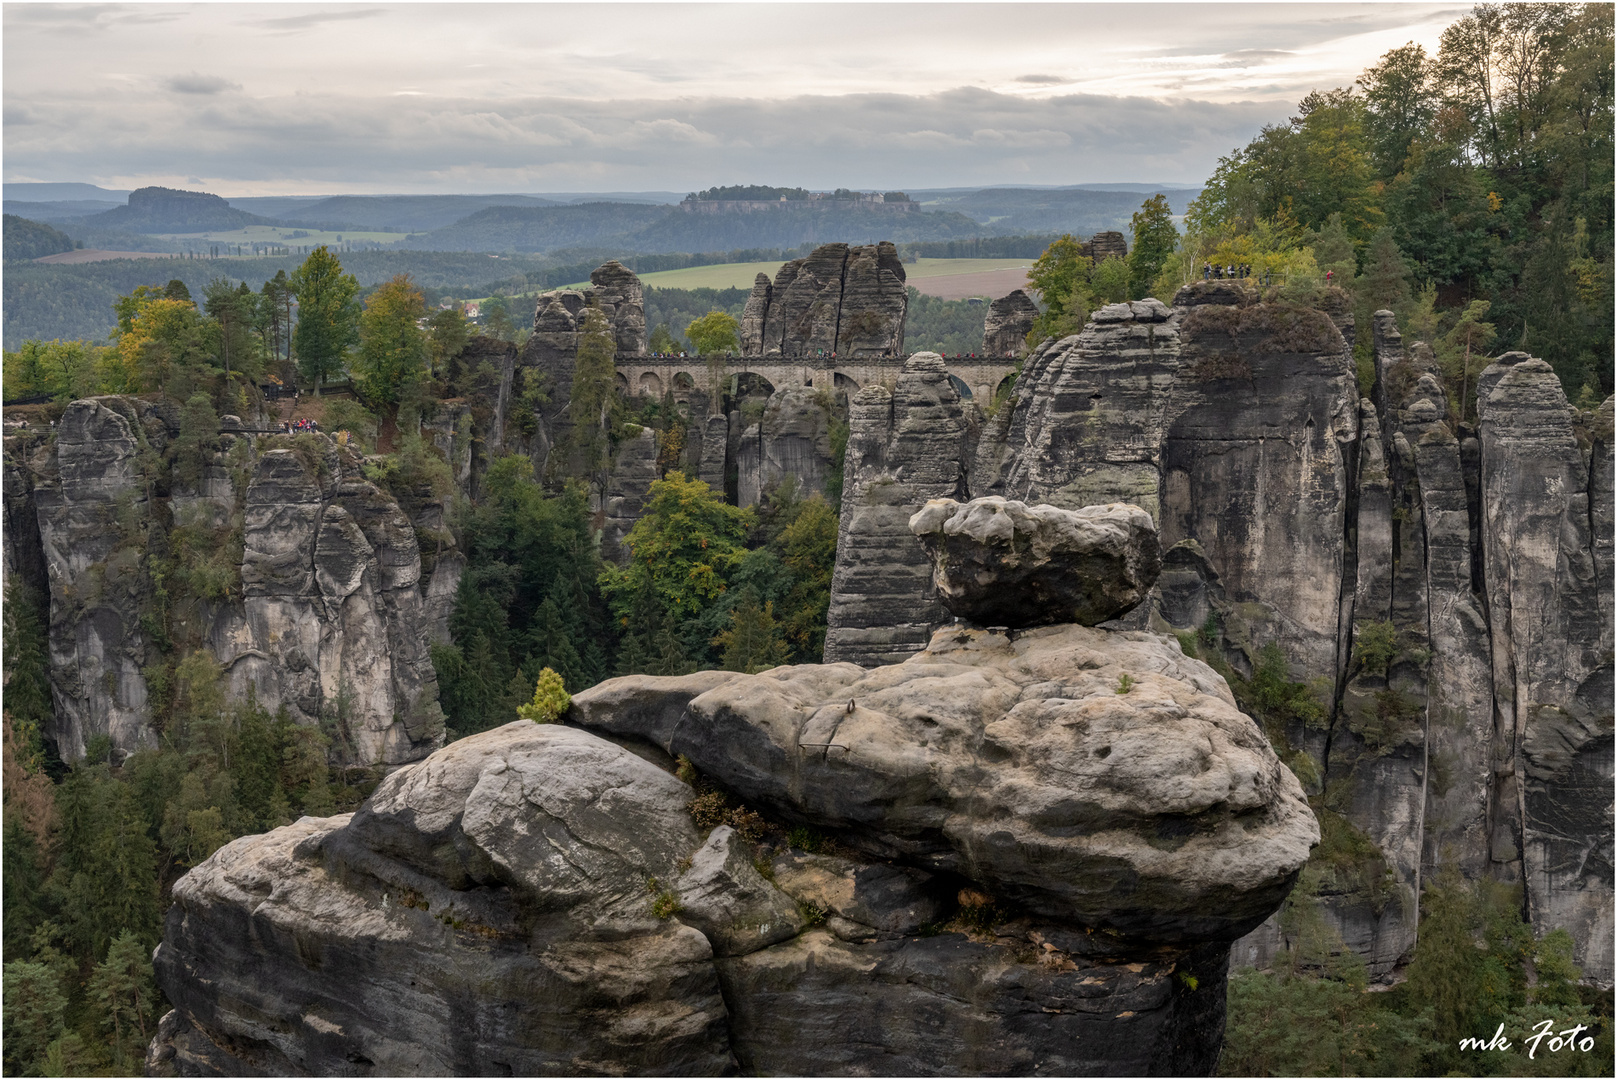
(550, 699)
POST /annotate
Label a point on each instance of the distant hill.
(408, 213)
(546, 228)
(166, 210)
(629, 227)
(797, 223)
(24, 191)
(26, 239)
(70, 210)
(1076, 210)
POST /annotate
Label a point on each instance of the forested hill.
(1463, 190)
(26, 239)
(166, 210)
(637, 227)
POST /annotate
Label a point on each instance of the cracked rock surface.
(999, 857)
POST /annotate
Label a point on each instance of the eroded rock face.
(332, 609)
(550, 354)
(617, 290)
(331, 617)
(998, 562)
(535, 899)
(91, 504)
(1552, 647)
(1299, 516)
(1008, 323)
(904, 447)
(841, 299)
(1018, 762)
(792, 438)
(633, 471)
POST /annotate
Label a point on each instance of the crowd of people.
(1236, 271)
(292, 427)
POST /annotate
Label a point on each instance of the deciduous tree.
(328, 316)
(392, 360)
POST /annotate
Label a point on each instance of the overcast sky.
(265, 99)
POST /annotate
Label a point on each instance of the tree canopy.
(393, 348)
(715, 332)
(328, 316)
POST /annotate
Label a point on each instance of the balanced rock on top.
(998, 562)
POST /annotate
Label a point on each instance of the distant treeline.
(750, 193)
(980, 247)
(68, 302)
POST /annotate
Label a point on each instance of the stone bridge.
(976, 377)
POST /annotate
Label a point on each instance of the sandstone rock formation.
(633, 471)
(326, 610)
(486, 912)
(1009, 320)
(1552, 648)
(754, 315)
(904, 447)
(1105, 245)
(792, 438)
(997, 562)
(1296, 516)
(536, 899)
(332, 608)
(551, 351)
(841, 299)
(617, 291)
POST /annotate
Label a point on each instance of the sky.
(303, 99)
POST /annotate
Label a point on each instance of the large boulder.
(488, 912)
(998, 562)
(1037, 868)
(1089, 775)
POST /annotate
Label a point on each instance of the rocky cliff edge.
(1040, 845)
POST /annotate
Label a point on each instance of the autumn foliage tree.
(393, 349)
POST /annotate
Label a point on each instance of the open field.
(951, 279)
(961, 286)
(90, 255)
(285, 234)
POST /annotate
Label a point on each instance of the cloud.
(201, 84)
(293, 24)
(962, 136)
(671, 97)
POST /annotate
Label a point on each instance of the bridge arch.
(845, 383)
(960, 387)
(651, 385)
(751, 384)
(683, 385)
(1005, 384)
(622, 382)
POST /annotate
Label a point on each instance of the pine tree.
(123, 988)
(753, 642)
(1154, 240)
(672, 656)
(553, 645)
(33, 1010)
